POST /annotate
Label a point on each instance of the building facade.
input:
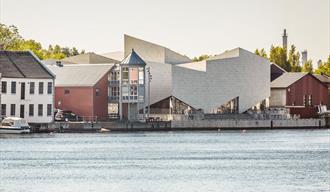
(27, 87)
(83, 89)
(301, 93)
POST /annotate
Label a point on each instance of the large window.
(49, 109)
(141, 93)
(125, 93)
(12, 109)
(41, 87)
(133, 75)
(141, 76)
(125, 75)
(40, 109)
(3, 109)
(4, 87)
(133, 92)
(32, 85)
(49, 87)
(31, 109)
(114, 93)
(13, 87)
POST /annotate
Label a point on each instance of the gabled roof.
(88, 58)
(275, 66)
(23, 64)
(79, 75)
(133, 59)
(322, 78)
(287, 79)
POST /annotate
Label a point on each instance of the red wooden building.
(300, 93)
(83, 89)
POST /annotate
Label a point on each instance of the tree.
(278, 55)
(10, 39)
(308, 66)
(201, 58)
(261, 53)
(324, 68)
(294, 59)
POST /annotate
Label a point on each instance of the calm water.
(168, 161)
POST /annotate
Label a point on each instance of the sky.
(191, 27)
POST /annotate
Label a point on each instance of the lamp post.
(149, 80)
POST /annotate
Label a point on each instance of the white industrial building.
(232, 82)
(27, 87)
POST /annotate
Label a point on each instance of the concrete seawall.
(209, 124)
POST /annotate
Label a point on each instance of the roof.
(274, 65)
(133, 59)
(227, 54)
(287, 79)
(322, 78)
(88, 58)
(117, 55)
(23, 64)
(79, 75)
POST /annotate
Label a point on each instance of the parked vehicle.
(14, 125)
(61, 115)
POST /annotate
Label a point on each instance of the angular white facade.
(207, 84)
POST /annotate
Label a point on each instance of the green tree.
(201, 58)
(278, 55)
(324, 68)
(261, 53)
(9, 37)
(308, 66)
(294, 59)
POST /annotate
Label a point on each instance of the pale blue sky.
(190, 27)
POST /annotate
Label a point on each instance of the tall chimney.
(285, 39)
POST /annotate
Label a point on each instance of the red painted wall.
(308, 85)
(83, 100)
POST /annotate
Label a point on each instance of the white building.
(27, 87)
(232, 82)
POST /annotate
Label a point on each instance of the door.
(22, 91)
(22, 112)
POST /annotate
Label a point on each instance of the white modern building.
(27, 87)
(232, 82)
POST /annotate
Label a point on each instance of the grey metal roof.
(133, 59)
(79, 75)
(22, 64)
(322, 78)
(88, 58)
(287, 79)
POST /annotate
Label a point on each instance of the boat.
(14, 125)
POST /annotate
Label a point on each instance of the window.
(3, 109)
(141, 76)
(41, 87)
(40, 109)
(305, 100)
(31, 109)
(133, 75)
(4, 87)
(50, 88)
(49, 109)
(97, 92)
(32, 85)
(12, 109)
(66, 91)
(133, 91)
(125, 93)
(125, 75)
(141, 93)
(13, 87)
(310, 100)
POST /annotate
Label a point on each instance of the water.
(279, 160)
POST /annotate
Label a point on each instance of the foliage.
(261, 53)
(324, 68)
(307, 67)
(278, 55)
(294, 59)
(201, 58)
(10, 39)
